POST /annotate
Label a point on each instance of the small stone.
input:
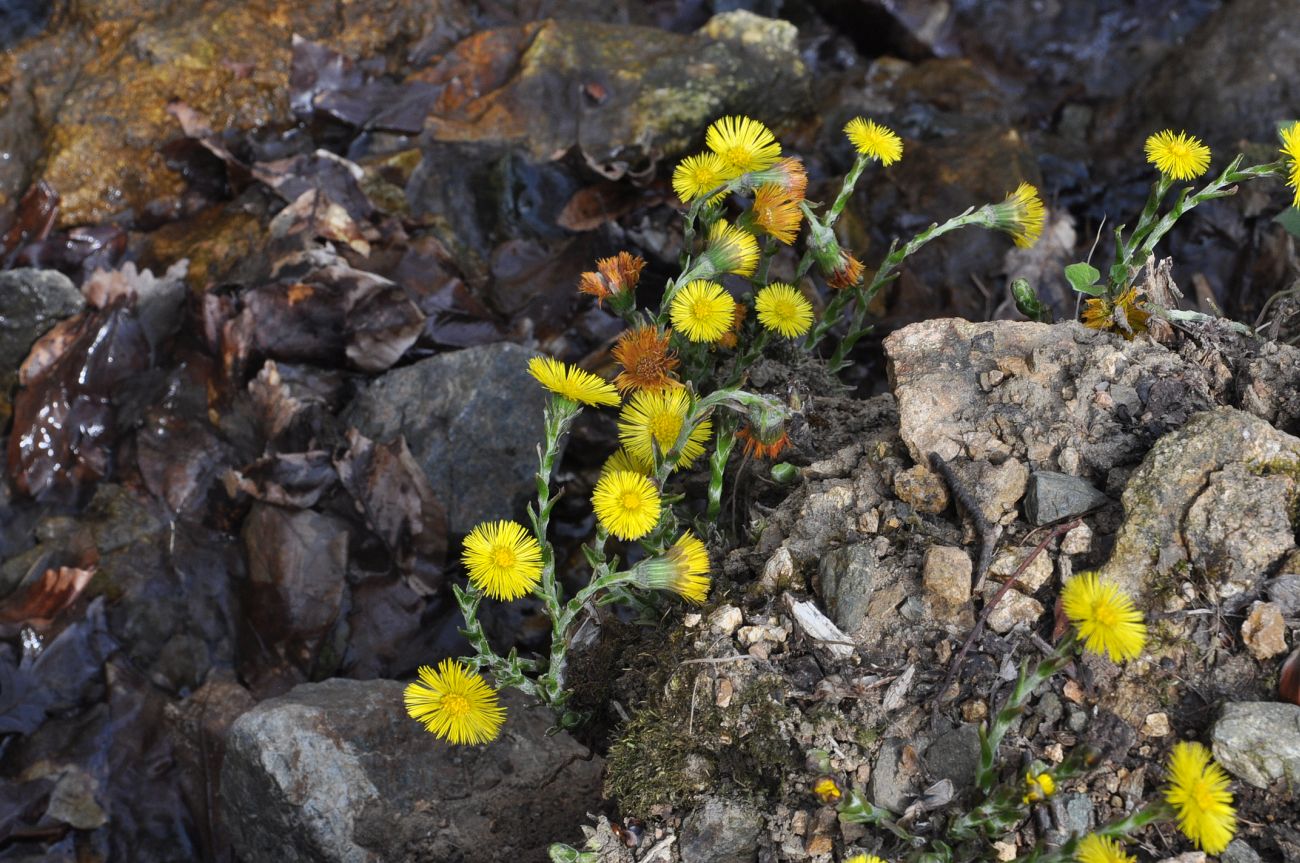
(922, 489)
(1284, 591)
(721, 831)
(760, 651)
(1054, 752)
(946, 578)
(955, 756)
(1188, 857)
(1077, 540)
(1156, 725)
(1055, 496)
(1238, 852)
(799, 822)
(1013, 608)
(974, 710)
(1049, 708)
(1264, 631)
(778, 572)
(894, 776)
(1259, 742)
(692, 620)
(1005, 850)
(1072, 691)
(726, 619)
(725, 691)
(1034, 576)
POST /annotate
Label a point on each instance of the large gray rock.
(31, 301)
(472, 419)
(1259, 742)
(337, 771)
(721, 831)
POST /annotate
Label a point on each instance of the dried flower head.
(1038, 787)
(1020, 215)
(654, 418)
(613, 277)
(702, 310)
(1198, 792)
(731, 250)
(783, 310)
(874, 141)
(1099, 849)
(648, 363)
(455, 704)
(1105, 616)
(572, 383)
(503, 559)
(626, 504)
(696, 176)
(788, 174)
(847, 274)
(1179, 157)
(1291, 153)
(1123, 315)
(744, 144)
(757, 447)
(775, 213)
(683, 569)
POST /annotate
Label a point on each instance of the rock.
(472, 419)
(336, 771)
(31, 301)
(1034, 576)
(846, 585)
(721, 831)
(998, 488)
(1050, 709)
(1214, 494)
(1238, 852)
(921, 489)
(1259, 742)
(1264, 631)
(725, 619)
(1284, 591)
(894, 775)
(1073, 812)
(1156, 725)
(1014, 608)
(955, 755)
(946, 578)
(1077, 540)
(1053, 496)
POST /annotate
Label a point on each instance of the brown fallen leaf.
(1288, 685)
(54, 591)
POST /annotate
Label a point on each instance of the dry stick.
(955, 668)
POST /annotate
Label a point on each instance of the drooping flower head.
(1020, 215)
(1105, 616)
(647, 361)
(683, 569)
(1038, 787)
(783, 310)
(846, 273)
(626, 504)
(1198, 792)
(874, 141)
(654, 419)
(744, 144)
(614, 277)
(1123, 315)
(455, 704)
(774, 213)
(1099, 849)
(788, 174)
(731, 250)
(757, 447)
(504, 560)
(1291, 153)
(696, 176)
(572, 383)
(702, 310)
(1179, 157)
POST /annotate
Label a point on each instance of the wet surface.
(189, 521)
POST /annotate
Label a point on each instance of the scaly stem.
(723, 442)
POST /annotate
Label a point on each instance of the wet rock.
(1014, 608)
(946, 577)
(1259, 742)
(721, 831)
(922, 489)
(1214, 494)
(1264, 631)
(31, 301)
(1053, 496)
(846, 585)
(954, 756)
(472, 420)
(337, 771)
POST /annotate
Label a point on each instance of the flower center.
(702, 309)
(1201, 797)
(665, 428)
(631, 501)
(1105, 616)
(503, 557)
(455, 704)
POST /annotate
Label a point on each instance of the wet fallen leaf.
(54, 591)
(295, 480)
(37, 210)
(593, 206)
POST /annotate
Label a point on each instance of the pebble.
(1034, 576)
(1052, 496)
(726, 619)
(1073, 691)
(946, 577)
(1239, 852)
(922, 489)
(1156, 725)
(1005, 850)
(1264, 631)
(974, 710)
(1077, 540)
(1012, 609)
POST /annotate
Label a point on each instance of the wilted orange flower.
(647, 361)
(788, 173)
(775, 213)
(756, 447)
(731, 337)
(848, 274)
(615, 275)
(1123, 315)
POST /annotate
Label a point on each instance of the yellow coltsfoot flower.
(1020, 215)
(627, 504)
(1105, 616)
(1291, 153)
(1198, 792)
(1178, 156)
(1123, 315)
(864, 858)
(745, 145)
(572, 383)
(683, 569)
(731, 250)
(874, 141)
(1038, 787)
(775, 213)
(696, 176)
(1098, 849)
(702, 310)
(654, 419)
(783, 310)
(504, 560)
(455, 704)
(623, 460)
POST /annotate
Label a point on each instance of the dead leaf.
(54, 591)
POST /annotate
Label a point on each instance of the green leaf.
(1289, 219)
(1083, 278)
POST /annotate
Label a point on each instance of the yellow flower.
(788, 174)
(626, 503)
(503, 559)
(572, 383)
(1291, 151)
(1124, 315)
(647, 362)
(698, 175)
(654, 418)
(827, 789)
(1180, 157)
(683, 569)
(1039, 787)
(731, 250)
(702, 310)
(1099, 849)
(623, 460)
(744, 144)
(1020, 215)
(455, 704)
(1106, 619)
(873, 140)
(1198, 792)
(864, 858)
(784, 310)
(775, 213)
